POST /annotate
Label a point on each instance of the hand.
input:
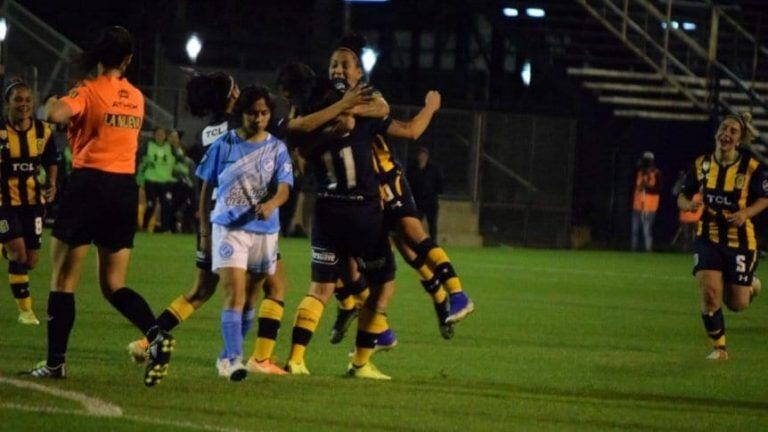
(432, 100)
(49, 193)
(738, 218)
(264, 210)
(357, 95)
(692, 206)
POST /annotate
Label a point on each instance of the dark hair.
(293, 78)
(209, 94)
(249, 96)
(321, 93)
(114, 44)
(15, 84)
(354, 42)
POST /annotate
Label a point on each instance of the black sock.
(133, 306)
(715, 324)
(167, 320)
(61, 318)
(19, 279)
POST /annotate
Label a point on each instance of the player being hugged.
(735, 189)
(252, 172)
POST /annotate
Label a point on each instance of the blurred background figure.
(427, 185)
(184, 200)
(157, 169)
(646, 201)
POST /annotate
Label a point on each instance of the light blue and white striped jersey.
(245, 173)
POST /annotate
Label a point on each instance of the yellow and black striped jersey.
(383, 161)
(727, 189)
(22, 154)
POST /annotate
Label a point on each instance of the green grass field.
(560, 340)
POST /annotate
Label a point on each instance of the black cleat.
(42, 370)
(344, 318)
(159, 356)
(442, 310)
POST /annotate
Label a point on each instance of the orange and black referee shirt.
(727, 189)
(22, 154)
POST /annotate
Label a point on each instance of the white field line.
(562, 270)
(95, 407)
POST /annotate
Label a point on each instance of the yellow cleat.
(138, 350)
(28, 318)
(296, 368)
(368, 371)
(266, 367)
(718, 354)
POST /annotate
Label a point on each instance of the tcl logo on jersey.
(719, 199)
(212, 133)
(23, 166)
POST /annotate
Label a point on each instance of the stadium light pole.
(193, 47)
(3, 34)
(369, 58)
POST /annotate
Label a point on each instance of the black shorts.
(98, 207)
(398, 198)
(23, 221)
(737, 265)
(350, 230)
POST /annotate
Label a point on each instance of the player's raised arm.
(356, 96)
(413, 128)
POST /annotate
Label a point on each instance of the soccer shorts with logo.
(23, 221)
(98, 207)
(343, 230)
(254, 252)
(397, 196)
(737, 265)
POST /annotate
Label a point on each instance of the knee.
(710, 298)
(736, 304)
(322, 291)
(203, 291)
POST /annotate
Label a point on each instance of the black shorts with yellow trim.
(737, 265)
(22, 222)
(98, 207)
(397, 197)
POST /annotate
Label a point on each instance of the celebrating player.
(735, 189)
(25, 146)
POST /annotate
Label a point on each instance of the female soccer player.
(105, 114)
(735, 189)
(25, 146)
(252, 173)
(417, 248)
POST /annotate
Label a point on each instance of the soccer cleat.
(265, 367)
(236, 370)
(42, 370)
(367, 371)
(28, 318)
(718, 354)
(442, 310)
(222, 367)
(386, 341)
(461, 306)
(138, 350)
(344, 318)
(296, 368)
(757, 286)
(159, 356)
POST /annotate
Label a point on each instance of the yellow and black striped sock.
(437, 260)
(307, 318)
(428, 279)
(270, 314)
(176, 313)
(359, 290)
(714, 323)
(344, 296)
(18, 277)
(369, 326)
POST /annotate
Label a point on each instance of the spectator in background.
(427, 184)
(184, 202)
(646, 200)
(157, 168)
